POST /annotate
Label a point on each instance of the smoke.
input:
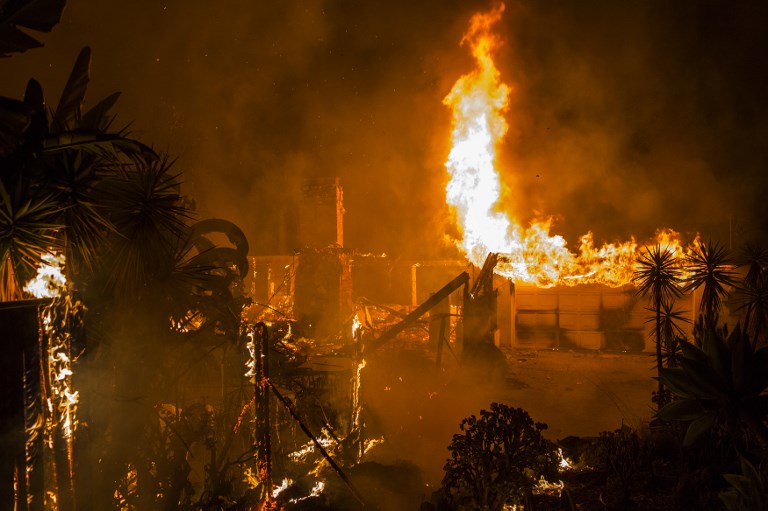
(624, 118)
(627, 118)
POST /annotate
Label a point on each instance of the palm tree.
(51, 182)
(710, 267)
(672, 333)
(658, 277)
(69, 183)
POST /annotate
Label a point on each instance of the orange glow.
(50, 280)
(479, 100)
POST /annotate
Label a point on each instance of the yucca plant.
(719, 388)
(28, 228)
(711, 268)
(52, 177)
(751, 295)
(658, 276)
(672, 334)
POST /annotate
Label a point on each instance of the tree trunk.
(660, 394)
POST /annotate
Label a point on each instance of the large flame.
(50, 280)
(479, 101)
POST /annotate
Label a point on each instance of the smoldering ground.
(623, 118)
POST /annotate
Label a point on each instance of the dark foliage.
(720, 387)
(711, 268)
(497, 459)
(659, 277)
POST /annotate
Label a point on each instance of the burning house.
(262, 369)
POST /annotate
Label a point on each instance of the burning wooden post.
(480, 323)
(39, 422)
(258, 348)
(356, 434)
(415, 314)
(439, 318)
(18, 321)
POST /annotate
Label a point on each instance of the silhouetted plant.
(659, 277)
(497, 459)
(38, 15)
(672, 333)
(752, 295)
(51, 181)
(748, 491)
(619, 455)
(719, 388)
(710, 267)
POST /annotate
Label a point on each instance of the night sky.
(625, 116)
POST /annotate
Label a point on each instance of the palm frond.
(28, 229)
(68, 112)
(37, 15)
(658, 274)
(712, 268)
(147, 211)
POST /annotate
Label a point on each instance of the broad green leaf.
(38, 15)
(698, 427)
(97, 118)
(681, 410)
(691, 351)
(703, 377)
(679, 383)
(67, 115)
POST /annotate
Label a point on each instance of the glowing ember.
(250, 364)
(564, 463)
(50, 280)
(277, 490)
(478, 101)
(325, 439)
(543, 486)
(316, 490)
(356, 381)
(371, 443)
(251, 478)
(357, 326)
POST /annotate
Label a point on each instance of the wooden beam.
(461, 280)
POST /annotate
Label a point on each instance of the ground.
(418, 407)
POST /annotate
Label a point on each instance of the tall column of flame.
(479, 101)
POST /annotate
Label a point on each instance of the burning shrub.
(497, 459)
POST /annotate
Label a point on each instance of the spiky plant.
(752, 294)
(28, 229)
(52, 176)
(145, 207)
(672, 334)
(720, 387)
(710, 267)
(658, 277)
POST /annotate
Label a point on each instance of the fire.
(277, 490)
(564, 464)
(50, 280)
(357, 327)
(479, 101)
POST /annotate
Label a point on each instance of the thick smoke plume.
(624, 118)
